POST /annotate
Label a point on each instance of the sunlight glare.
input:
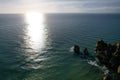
(36, 30)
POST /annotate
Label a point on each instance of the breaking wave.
(95, 63)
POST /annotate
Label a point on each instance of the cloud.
(60, 6)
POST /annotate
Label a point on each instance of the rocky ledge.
(109, 56)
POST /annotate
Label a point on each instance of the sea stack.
(85, 51)
(76, 49)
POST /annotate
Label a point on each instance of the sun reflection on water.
(36, 30)
(35, 40)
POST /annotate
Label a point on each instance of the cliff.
(109, 56)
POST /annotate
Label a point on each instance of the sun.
(34, 18)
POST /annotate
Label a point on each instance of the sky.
(60, 6)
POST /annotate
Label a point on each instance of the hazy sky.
(60, 6)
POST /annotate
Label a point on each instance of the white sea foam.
(71, 49)
(103, 68)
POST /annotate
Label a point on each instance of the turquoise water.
(39, 47)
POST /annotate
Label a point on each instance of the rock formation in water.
(85, 51)
(76, 49)
(109, 56)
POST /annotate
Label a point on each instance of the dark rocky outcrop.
(85, 51)
(107, 77)
(109, 56)
(76, 49)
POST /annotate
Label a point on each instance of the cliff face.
(109, 56)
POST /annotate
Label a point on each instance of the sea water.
(40, 47)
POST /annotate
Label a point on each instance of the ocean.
(39, 46)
